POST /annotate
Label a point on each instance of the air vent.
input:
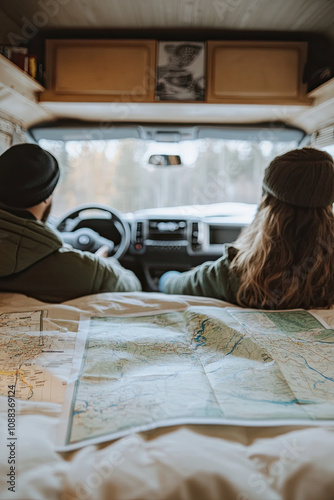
(196, 235)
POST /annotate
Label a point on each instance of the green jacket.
(33, 261)
(211, 279)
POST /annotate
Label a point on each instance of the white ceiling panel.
(283, 15)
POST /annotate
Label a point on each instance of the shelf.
(17, 79)
(19, 94)
(324, 91)
(321, 113)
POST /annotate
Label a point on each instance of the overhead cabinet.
(246, 72)
(256, 72)
(100, 70)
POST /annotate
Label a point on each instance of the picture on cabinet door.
(181, 71)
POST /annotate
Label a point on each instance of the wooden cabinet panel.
(106, 70)
(256, 72)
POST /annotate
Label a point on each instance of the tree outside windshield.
(117, 172)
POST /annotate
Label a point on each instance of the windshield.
(118, 172)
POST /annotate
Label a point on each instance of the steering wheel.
(74, 232)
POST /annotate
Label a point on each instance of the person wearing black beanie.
(33, 259)
(28, 175)
(285, 258)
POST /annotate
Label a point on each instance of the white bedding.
(183, 462)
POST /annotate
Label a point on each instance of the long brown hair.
(285, 257)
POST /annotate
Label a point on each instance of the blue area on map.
(199, 336)
(317, 371)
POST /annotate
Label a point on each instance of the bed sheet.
(181, 462)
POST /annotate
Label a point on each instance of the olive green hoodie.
(211, 279)
(33, 261)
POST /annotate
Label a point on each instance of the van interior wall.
(10, 133)
(7, 25)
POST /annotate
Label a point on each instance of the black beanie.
(302, 177)
(28, 175)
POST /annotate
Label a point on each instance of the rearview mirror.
(164, 160)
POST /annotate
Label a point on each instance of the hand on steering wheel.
(102, 251)
(85, 238)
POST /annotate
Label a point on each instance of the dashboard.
(159, 244)
(151, 243)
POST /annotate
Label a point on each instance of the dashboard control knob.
(84, 239)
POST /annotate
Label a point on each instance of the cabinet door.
(256, 72)
(104, 70)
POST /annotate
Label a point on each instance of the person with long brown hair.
(285, 258)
